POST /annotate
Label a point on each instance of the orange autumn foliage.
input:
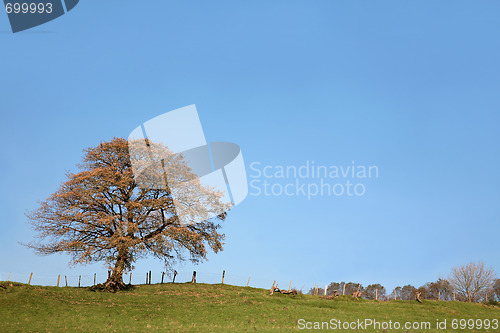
(102, 214)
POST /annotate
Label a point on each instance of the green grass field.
(210, 308)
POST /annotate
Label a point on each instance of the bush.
(492, 302)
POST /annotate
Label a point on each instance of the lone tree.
(472, 281)
(102, 214)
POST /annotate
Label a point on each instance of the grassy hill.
(210, 308)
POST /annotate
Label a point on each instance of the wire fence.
(135, 277)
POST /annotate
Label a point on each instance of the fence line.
(136, 278)
(156, 277)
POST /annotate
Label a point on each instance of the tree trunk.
(115, 281)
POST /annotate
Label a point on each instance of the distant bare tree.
(408, 293)
(351, 287)
(396, 293)
(496, 289)
(472, 281)
(313, 291)
(440, 289)
(424, 292)
(334, 286)
(374, 290)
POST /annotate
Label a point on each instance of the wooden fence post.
(66, 279)
(149, 277)
(290, 286)
(162, 276)
(272, 287)
(326, 286)
(130, 278)
(376, 294)
(175, 274)
(343, 291)
(439, 295)
(248, 281)
(8, 277)
(29, 281)
(79, 279)
(193, 279)
(94, 279)
(58, 277)
(223, 274)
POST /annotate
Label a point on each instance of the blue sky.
(411, 87)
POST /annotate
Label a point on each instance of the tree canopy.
(102, 214)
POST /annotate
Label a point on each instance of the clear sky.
(411, 87)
